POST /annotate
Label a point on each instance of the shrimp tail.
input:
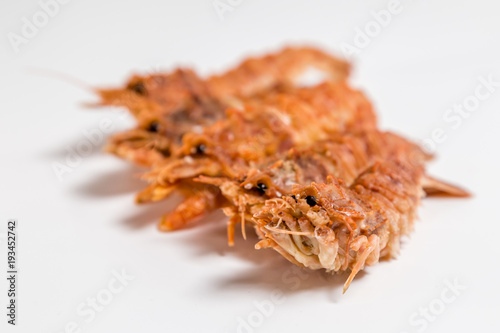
(436, 187)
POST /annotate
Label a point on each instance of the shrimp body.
(337, 227)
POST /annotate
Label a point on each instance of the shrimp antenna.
(61, 76)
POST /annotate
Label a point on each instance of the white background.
(74, 233)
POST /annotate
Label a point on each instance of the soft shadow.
(60, 153)
(150, 213)
(271, 271)
(211, 236)
(279, 274)
(114, 182)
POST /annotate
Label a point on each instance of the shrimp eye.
(154, 127)
(138, 88)
(311, 200)
(294, 198)
(262, 187)
(200, 149)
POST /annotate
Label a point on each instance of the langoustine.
(318, 204)
(167, 106)
(338, 227)
(250, 135)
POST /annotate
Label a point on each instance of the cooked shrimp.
(337, 227)
(167, 106)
